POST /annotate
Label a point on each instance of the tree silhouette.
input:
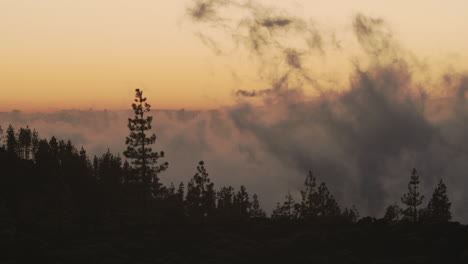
(60, 197)
(11, 141)
(34, 143)
(201, 196)
(242, 203)
(351, 215)
(54, 148)
(256, 211)
(309, 195)
(326, 203)
(413, 198)
(139, 151)
(24, 142)
(438, 209)
(180, 194)
(225, 204)
(287, 210)
(392, 213)
(1, 138)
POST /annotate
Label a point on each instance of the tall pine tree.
(309, 197)
(139, 151)
(412, 199)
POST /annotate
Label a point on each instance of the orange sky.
(84, 54)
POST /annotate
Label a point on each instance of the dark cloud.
(206, 10)
(364, 140)
(279, 41)
(374, 36)
(275, 22)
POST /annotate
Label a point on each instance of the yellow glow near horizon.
(84, 54)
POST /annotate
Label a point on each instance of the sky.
(65, 54)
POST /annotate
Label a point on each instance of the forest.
(60, 205)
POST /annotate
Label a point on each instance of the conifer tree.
(242, 202)
(309, 197)
(34, 143)
(326, 203)
(351, 215)
(171, 190)
(256, 211)
(287, 210)
(24, 142)
(413, 198)
(438, 209)
(277, 212)
(1, 138)
(54, 147)
(139, 151)
(84, 161)
(96, 168)
(11, 141)
(201, 196)
(225, 204)
(392, 213)
(180, 193)
(193, 200)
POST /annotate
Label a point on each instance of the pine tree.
(413, 198)
(351, 215)
(54, 147)
(171, 190)
(392, 213)
(201, 196)
(277, 212)
(180, 194)
(139, 150)
(287, 210)
(1, 138)
(35, 143)
(438, 209)
(309, 198)
(110, 171)
(256, 211)
(242, 202)
(225, 204)
(326, 203)
(85, 164)
(208, 192)
(96, 168)
(11, 141)
(24, 142)
(193, 200)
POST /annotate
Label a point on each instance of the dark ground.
(252, 242)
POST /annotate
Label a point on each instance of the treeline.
(49, 184)
(317, 202)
